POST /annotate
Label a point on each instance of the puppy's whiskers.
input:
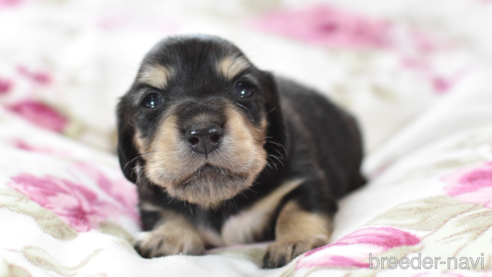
(275, 143)
(272, 161)
(252, 189)
(242, 106)
(129, 123)
(138, 156)
(171, 200)
(139, 176)
(244, 195)
(277, 158)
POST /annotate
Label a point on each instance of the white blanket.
(416, 73)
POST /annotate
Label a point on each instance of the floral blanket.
(416, 73)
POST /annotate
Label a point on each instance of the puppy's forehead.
(192, 58)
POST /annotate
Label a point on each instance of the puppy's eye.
(152, 100)
(244, 89)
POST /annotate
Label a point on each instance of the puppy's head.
(199, 120)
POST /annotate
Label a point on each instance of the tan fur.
(173, 235)
(210, 237)
(230, 66)
(233, 167)
(139, 143)
(243, 144)
(296, 232)
(168, 160)
(249, 224)
(294, 224)
(157, 76)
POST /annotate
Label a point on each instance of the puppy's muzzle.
(205, 152)
(204, 137)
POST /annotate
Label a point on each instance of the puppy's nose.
(204, 140)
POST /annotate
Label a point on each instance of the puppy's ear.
(277, 128)
(127, 152)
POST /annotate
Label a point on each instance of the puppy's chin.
(209, 186)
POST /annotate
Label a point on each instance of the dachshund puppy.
(224, 153)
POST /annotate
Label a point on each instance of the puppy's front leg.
(172, 235)
(296, 231)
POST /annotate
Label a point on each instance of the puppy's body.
(279, 155)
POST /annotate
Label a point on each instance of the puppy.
(224, 153)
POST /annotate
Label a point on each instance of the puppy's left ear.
(277, 128)
(127, 153)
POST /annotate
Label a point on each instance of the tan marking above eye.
(157, 76)
(230, 66)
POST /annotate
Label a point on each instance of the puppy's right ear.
(127, 152)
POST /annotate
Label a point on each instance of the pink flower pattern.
(10, 3)
(74, 203)
(5, 85)
(119, 189)
(472, 185)
(38, 77)
(378, 239)
(40, 114)
(22, 144)
(333, 27)
(328, 26)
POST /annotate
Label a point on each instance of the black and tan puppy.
(224, 153)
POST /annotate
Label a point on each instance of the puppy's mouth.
(207, 171)
(210, 185)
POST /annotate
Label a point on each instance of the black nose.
(204, 140)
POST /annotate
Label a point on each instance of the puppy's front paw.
(159, 243)
(281, 253)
